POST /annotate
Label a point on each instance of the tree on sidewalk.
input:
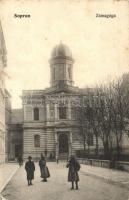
(119, 114)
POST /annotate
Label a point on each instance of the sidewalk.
(7, 171)
(113, 176)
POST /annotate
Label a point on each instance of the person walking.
(20, 160)
(74, 167)
(44, 169)
(30, 168)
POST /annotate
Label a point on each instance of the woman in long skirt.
(44, 169)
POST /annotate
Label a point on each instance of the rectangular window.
(51, 114)
(37, 141)
(62, 113)
(36, 114)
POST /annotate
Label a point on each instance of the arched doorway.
(63, 143)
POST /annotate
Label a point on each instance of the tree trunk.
(97, 145)
(118, 150)
(106, 149)
(84, 145)
(88, 150)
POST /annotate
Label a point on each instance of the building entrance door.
(18, 150)
(63, 143)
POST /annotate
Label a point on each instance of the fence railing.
(95, 162)
(120, 165)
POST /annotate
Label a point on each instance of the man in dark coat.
(73, 176)
(30, 168)
(44, 169)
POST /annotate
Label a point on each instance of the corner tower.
(61, 65)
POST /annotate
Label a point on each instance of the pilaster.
(56, 111)
(69, 110)
(48, 111)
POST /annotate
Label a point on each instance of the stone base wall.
(28, 143)
(47, 143)
(2, 147)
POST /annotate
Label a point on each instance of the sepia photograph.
(64, 99)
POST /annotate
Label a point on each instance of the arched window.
(36, 113)
(37, 141)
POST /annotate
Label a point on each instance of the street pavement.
(6, 173)
(110, 175)
(57, 187)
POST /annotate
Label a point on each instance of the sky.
(100, 46)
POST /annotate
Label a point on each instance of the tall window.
(51, 111)
(62, 113)
(36, 113)
(37, 141)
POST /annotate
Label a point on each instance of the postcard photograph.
(64, 99)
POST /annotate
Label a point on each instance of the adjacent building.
(15, 134)
(2, 96)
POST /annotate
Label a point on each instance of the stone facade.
(8, 111)
(15, 134)
(2, 95)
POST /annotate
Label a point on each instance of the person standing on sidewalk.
(57, 159)
(30, 168)
(44, 169)
(74, 167)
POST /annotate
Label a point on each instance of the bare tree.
(119, 114)
(104, 112)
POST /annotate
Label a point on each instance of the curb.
(105, 178)
(6, 182)
(2, 198)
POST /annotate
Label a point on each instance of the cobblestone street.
(57, 187)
